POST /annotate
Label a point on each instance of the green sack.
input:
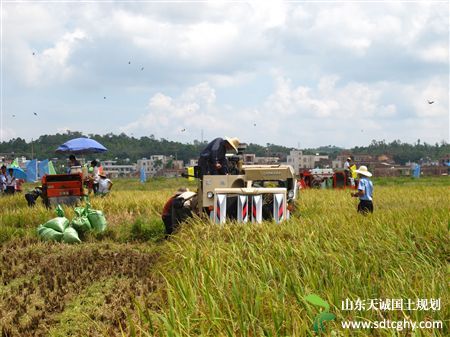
(70, 235)
(80, 211)
(81, 224)
(60, 211)
(97, 220)
(58, 224)
(49, 234)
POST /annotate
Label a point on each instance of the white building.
(158, 162)
(298, 160)
(111, 169)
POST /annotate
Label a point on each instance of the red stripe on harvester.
(280, 211)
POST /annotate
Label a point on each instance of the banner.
(15, 163)
(416, 171)
(31, 168)
(43, 168)
(190, 172)
(143, 175)
(51, 168)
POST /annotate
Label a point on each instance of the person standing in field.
(10, 182)
(3, 179)
(365, 191)
(94, 175)
(347, 171)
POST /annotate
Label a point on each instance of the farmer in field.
(94, 175)
(104, 185)
(10, 182)
(212, 159)
(347, 170)
(365, 191)
(167, 211)
(3, 179)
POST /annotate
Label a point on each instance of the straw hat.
(234, 142)
(364, 171)
(181, 190)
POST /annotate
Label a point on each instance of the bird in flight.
(254, 124)
(34, 53)
(129, 62)
(35, 113)
(14, 115)
(142, 68)
(104, 97)
(430, 102)
(182, 130)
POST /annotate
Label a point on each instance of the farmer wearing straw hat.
(212, 159)
(166, 214)
(365, 190)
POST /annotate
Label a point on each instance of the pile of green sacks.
(60, 229)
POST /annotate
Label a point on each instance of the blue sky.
(308, 73)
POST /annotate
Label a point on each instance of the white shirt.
(2, 182)
(104, 185)
(347, 165)
(11, 181)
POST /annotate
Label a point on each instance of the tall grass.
(231, 280)
(251, 280)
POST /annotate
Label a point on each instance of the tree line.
(124, 148)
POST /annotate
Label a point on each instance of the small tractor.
(250, 193)
(62, 189)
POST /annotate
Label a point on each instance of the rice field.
(232, 280)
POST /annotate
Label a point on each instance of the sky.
(300, 74)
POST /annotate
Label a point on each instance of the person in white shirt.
(3, 179)
(104, 185)
(10, 182)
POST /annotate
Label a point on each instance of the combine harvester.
(250, 193)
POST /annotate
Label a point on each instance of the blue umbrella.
(81, 145)
(18, 173)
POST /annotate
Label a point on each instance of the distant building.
(113, 170)
(252, 159)
(299, 161)
(193, 162)
(156, 163)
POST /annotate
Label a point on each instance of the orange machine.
(62, 189)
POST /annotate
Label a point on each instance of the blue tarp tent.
(31, 170)
(43, 168)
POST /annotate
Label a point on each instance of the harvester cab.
(250, 193)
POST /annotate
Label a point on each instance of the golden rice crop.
(231, 280)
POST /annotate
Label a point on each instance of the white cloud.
(339, 67)
(194, 109)
(287, 113)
